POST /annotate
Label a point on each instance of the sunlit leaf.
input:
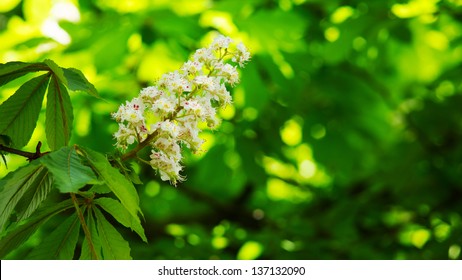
(121, 214)
(77, 81)
(7, 5)
(15, 69)
(4, 159)
(57, 71)
(59, 115)
(68, 171)
(20, 112)
(59, 244)
(20, 233)
(116, 182)
(114, 246)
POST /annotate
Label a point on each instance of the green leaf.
(68, 171)
(5, 140)
(14, 186)
(20, 233)
(57, 71)
(35, 195)
(116, 182)
(121, 214)
(60, 244)
(114, 246)
(77, 81)
(19, 113)
(4, 160)
(59, 115)
(86, 252)
(101, 189)
(15, 69)
(128, 171)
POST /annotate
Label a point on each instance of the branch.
(141, 145)
(28, 155)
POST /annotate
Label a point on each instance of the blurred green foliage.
(344, 140)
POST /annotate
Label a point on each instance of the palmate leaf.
(60, 244)
(77, 81)
(15, 69)
(95, 240)
(113, 245)
(15, 185)
(20, 112)
(20, 233)
(58, 72)
(116, 182)
(59, 115)
(121, 214)
(35, 195)
(68, 171)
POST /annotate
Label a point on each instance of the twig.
(141, 145)
(28, 155)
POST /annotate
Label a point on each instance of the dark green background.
(343, 141)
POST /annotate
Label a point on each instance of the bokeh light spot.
(152, 188)
(250, 251)
(291, 132)
(332, 34)
(341, 14)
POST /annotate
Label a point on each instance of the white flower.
(192, 107)
(230, 73)
(150, 94)
(222, 95)
(205, 82)
(169, 128)
(189, 134)
(177, 103)
(204, 55)
(192, 67)
(169, 169)
(221, 42)
(242, 55)
(164, 105)
(168, 146)
(124, 136)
